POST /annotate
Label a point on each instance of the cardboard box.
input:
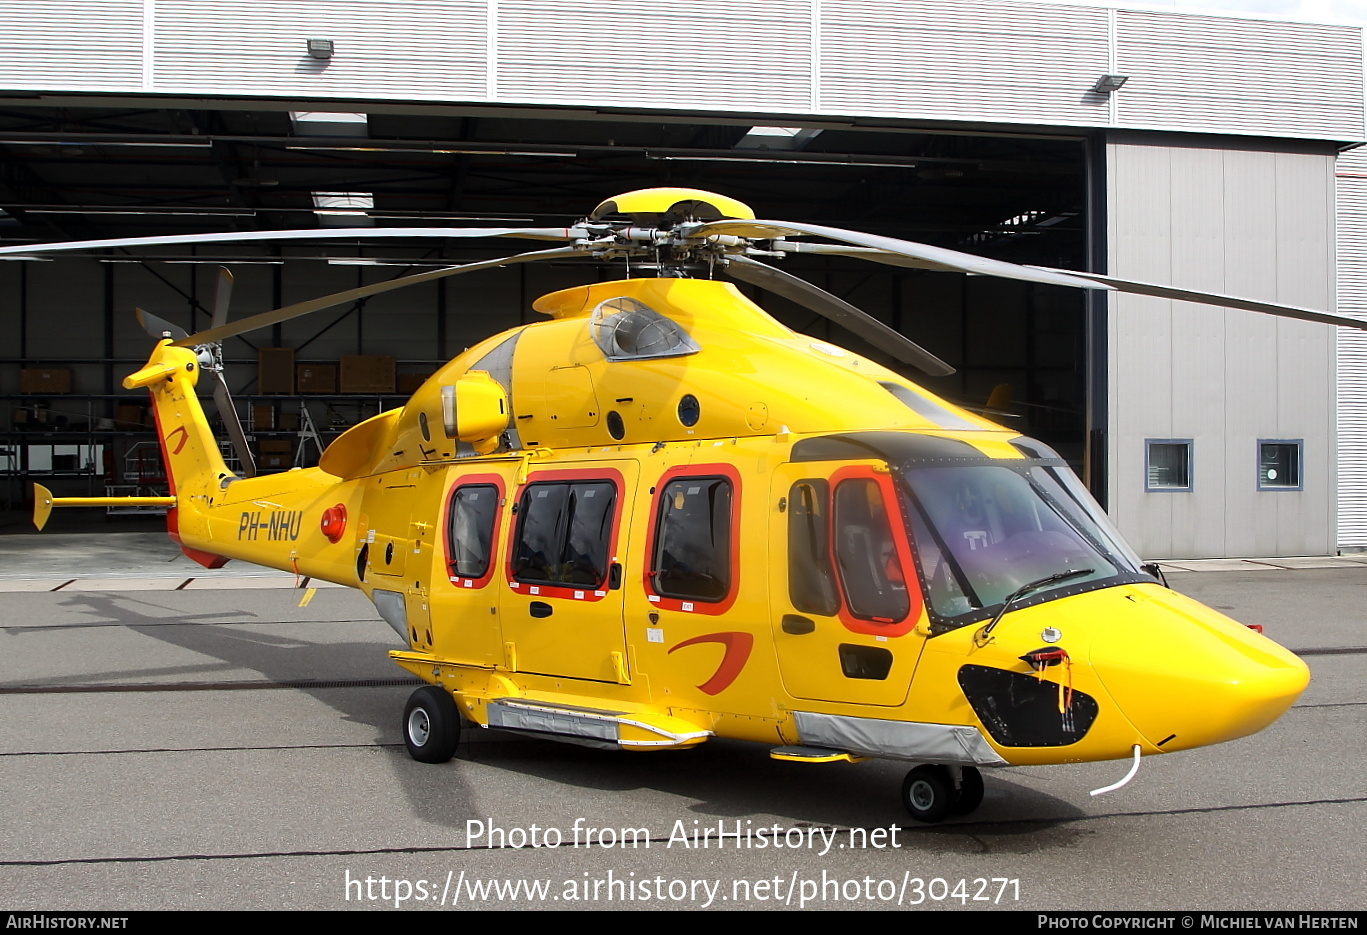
(316, 378)
(46, 381)
(367, 374)
(410, 383)
(274, 446)
(263, 416)
(276, 461)
(287, 422)
(130, 416)
(275, 370)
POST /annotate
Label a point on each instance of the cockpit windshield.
(982, 530)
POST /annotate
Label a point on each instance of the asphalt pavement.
(172, 738)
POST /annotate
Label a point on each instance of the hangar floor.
(162, 747)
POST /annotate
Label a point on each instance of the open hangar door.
(89, 172)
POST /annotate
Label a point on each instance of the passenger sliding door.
(562, 607)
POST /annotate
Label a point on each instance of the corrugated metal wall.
(958, 60)
(1248, 222)
(1352, 350)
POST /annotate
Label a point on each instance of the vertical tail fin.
(194, 465)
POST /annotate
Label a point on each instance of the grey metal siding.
(1352, 350)
(964, 60)
(46, 44)
(1247, 222)
(1008, 62)
(1227, 75)
(712, 54)
(407, 49)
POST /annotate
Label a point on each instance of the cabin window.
(470, 529)
(870, 570)
(1167, 464)
(562, 533)
(692, 559)
(1279, 465)
(811, 578)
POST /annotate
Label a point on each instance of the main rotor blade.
(223, 293)
(839, 311)
(1227, 301)
(860, 253)
(228, 413)
(158, 327)
(244, 325)
(340, 233)
(947, 259)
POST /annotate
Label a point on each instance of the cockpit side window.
(811, 577)
(870, 570)
(848, 552)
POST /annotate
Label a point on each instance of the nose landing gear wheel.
(928, 793)
(970, 792)
(431, 725)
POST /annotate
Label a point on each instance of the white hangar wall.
(986, 61)
(1252, 220)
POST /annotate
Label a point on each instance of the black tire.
(927, 793)
(431, 725)
(970, 792)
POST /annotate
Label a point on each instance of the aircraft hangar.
(1194, 150)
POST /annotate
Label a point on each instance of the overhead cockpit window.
(625, 329)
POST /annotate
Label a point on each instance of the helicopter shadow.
(237, 646)
(719, 780)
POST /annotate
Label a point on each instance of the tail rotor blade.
(839, 311)
(228, 413)
(242, 326)
(159, 327)
(223, 293)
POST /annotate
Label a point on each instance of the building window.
(1279, 464)
(1167, 464)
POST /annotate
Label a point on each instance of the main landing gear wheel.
(431, 725)
(970, 792)
(928, 793)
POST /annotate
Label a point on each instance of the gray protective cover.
(897, 740)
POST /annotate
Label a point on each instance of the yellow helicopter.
(661, 516)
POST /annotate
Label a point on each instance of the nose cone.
(1186, 676)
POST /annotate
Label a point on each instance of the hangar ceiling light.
(343, 209)
(784, 138)
(324, 123)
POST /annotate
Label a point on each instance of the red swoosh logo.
(738, 646)
(184, 436)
